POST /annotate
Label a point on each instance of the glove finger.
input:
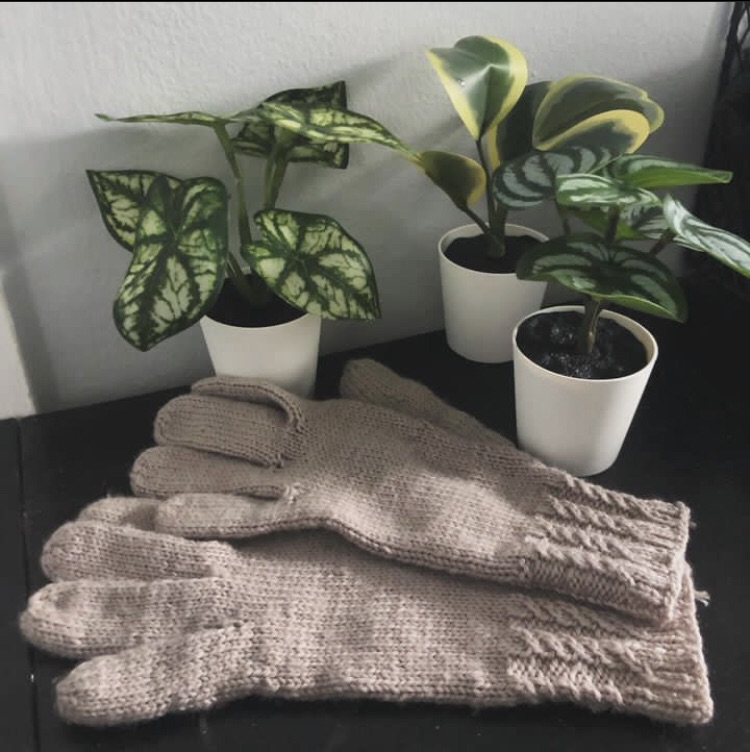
(236, 517)
(164, 471)
(122, 510)
(85, 618)
(367, 380)
(260, 433)
(98, 550)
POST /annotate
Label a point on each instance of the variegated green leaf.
(462, 178)
(617, 274)
(121, 195)
(726, 247)
(597, 190)
(574, 104)
(257, 137)
(530, 179)
(310, 261)
(636, 222)
(642, 171)
(178, 118)
(179, 261)
(484, 78)
(328, 124)
(511, 137)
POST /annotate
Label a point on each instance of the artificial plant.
(178, 230)
(615, 260)
(524, 134)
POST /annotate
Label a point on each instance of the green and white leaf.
(484, 78)
(597, 190)
(310, 261)
(258, 135)
(530, 179)
(575, 104)
(179, 261)
(617, 274)
(511, 137)
(121, 196)
(177, 118)
(726, 247)
(636, 222)
(328, 124)
(642, 171)
(462, 178)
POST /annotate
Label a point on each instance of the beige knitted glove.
(169, 625)
(404, 488)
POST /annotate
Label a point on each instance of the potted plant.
(580, 371)
(260, 304)
(535, 131)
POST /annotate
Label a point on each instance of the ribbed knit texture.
(170, 625)
(405, 488)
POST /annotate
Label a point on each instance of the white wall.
(62, 62)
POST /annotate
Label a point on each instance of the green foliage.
(177, 230)
(620, 205)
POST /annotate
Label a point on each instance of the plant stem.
(666, 238)
(274, 176)
(587, 331)
(564, 221)
(497, 244)
(488, 190)
(254, 294)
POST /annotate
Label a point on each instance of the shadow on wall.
(31, 347)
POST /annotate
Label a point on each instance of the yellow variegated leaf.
(571, 101)
(462, 178)
(484, 78)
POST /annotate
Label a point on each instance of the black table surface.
(690, 441)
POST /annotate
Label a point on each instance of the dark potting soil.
(549, 340)
(471, 253)
(232, 309)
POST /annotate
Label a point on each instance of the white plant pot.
(578, 425)
(286, 354)
(480, 308)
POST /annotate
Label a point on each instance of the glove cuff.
(609, 548)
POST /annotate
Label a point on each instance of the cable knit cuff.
(609, 548)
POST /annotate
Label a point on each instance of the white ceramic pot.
(481, 308)
(286, 354)
(578, 425)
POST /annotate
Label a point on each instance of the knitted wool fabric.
(404, 488)
(170, 625)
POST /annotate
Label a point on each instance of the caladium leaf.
(530, 179)
(617, 274)
(462, 178)
(484, 78)
(726, 247)
(597, 190)
(121, 196)
(179, 261)
(177, 118)
(329, 124)
(310, 261)
(574, 104)
(642, 171)
(511, 137)
(257, 137)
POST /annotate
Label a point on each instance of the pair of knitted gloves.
(382, 545)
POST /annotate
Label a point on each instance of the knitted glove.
(404, 488)
(170, 625)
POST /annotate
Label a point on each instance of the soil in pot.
(232, 309)
(549, 339)
(471, 253)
